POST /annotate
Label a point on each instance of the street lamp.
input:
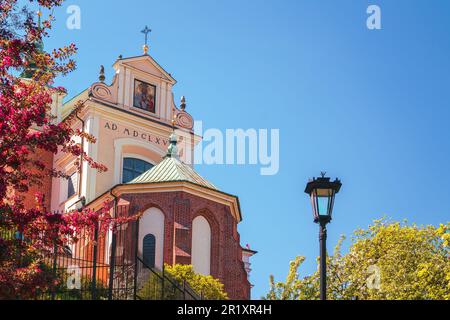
(322, 191)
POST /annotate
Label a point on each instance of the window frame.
(136, 157)
(70, 182)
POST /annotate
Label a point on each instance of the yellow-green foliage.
(211, 288)
(413, 263)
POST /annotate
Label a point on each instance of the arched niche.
(201, 246)
(151, 233)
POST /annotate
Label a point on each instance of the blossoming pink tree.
(26, 128)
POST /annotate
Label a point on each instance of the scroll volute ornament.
(184, 120)
(101, 91)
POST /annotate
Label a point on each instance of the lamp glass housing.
(322, 203)
(322, 192)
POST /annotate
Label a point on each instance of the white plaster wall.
(153, 222)
(91, 149)
(201, 246)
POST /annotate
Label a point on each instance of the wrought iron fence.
(153, 284)
(106, 267)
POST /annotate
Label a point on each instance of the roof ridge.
(191, 171)
(172, 169)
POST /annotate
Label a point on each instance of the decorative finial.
(39, 14)
(101, 77)
(145, 49)
(120, 57)
(323, 173)
(174, 120)
(172, 151)
(183, 103)
(146, 31)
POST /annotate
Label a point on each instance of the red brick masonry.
(180, 209)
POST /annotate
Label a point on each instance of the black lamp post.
(322, 192)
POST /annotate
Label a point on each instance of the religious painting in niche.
(144, 96)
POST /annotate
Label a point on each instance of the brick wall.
(180, 209)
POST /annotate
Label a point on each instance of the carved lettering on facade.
(124, 131)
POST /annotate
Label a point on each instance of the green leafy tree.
(389, 260)
(210, 288)
(176, 276)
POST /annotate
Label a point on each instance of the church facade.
(146, 141)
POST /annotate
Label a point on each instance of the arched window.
(149, 250)
(201, 246)
(151, 237)
(133, 168)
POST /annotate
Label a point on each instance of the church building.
(146, 141)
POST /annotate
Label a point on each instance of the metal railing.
(87, 270)
(153, 284)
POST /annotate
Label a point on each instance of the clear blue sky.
(370, 107)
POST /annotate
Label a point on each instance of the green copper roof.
(169, 170)
(172, 169)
